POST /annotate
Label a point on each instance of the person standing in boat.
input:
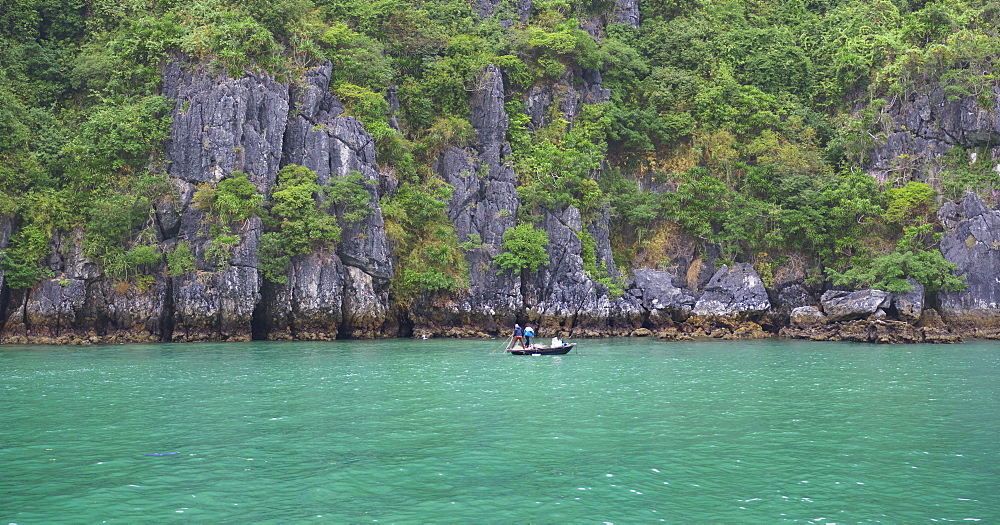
(529, 332)
(518, 336)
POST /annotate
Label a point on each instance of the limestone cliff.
(973, 243)
(256, 124)
(253, 124)
(919, 130)
(344, 293)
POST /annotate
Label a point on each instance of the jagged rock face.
(736, 291)
(221, 124)
(562, 287)
(488, 116)
(488, 8)
(928, 125)
(974, 245)
(908, 306)
(309, 305)
(322, 139)
(365, 306)
(568, 300)
(792, 296)
(50, 311)
(215, 306)
(627, 12)
(216, 116)
(840, 305)
(600, 232)
(80, 306)
(484, 204)
(568, 93)
(658, 295)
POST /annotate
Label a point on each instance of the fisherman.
(518, 337)
(529, 332)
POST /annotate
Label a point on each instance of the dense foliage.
(428, 256)
(296, 224)
(742, 123)
(523, 249)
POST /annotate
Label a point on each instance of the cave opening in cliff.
(342, 335)
(167, 317)
(4, 301)
(405, 324)
(258, 322)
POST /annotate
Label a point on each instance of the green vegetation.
(524, 249)
(744, 124)
(227, 206)
(234, 199)
(912, 259)
(963, 171)
(429, 258)
(295, 223)
(180, 260)
(22, 259)
(349, 196)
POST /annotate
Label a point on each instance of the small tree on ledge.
(524, 249)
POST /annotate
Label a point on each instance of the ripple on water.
(624, 431)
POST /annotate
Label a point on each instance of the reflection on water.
(620, 431)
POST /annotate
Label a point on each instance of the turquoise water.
(402, 431)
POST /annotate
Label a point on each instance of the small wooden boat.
(543, 349)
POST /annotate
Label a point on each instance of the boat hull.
(559, 350)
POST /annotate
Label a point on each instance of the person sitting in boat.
(518, 336)
(529, 332)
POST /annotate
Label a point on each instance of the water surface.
(618, 431)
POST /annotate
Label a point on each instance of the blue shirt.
(529, 332)
(518, 330)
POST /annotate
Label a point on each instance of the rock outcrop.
(908, 306)
(573, 90)
(256, 125)
(862, 317)
(221, 125)
(663, 301)
(561, 298)
(840, 305)
(569, 300)
(483, 206)
(78, 305)
(253, 124)
(925, 126)
(627, 12)
(322, 139)
(973, 243)
(805, 316)
(735, 291)
(309, 306)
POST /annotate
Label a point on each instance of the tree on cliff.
(744, 125)
(524, 249)
(916, 257)
(295, 223)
